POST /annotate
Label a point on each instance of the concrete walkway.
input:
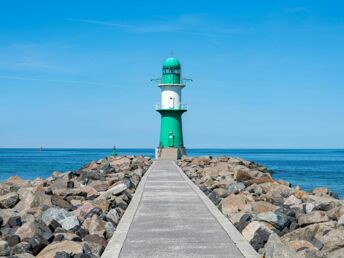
(170, 217)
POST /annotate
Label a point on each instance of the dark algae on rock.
(71, 214)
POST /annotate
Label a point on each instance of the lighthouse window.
(171, 71)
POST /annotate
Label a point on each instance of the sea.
(308, 168)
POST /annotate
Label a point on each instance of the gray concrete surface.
(170, 217)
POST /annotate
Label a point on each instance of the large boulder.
(83, 210)
(95, 225)
(309, 232)
(261, 206)
(257, 234)
(236, 203)
(312, 217)
(9, 200)
(242, 174)
(65, 218)
(64, 246)
(274, 248)
(277, 219)
(32, 198)
(235, 187)
(31, 228)
(115, 190)
(333, 240)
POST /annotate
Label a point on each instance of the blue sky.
(267, 74)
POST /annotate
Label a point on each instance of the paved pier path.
(170, 217)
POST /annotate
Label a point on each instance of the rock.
(82, 255)
(94, 225)
(321, 191)
(4, 248)
(341, 220)
(96, 239)
(308, 207)
(68, 236)
(14, 222)
(65, 218)
(53, 225)
(37, 244)
(13, 240)
(70, 184)
(299, 245)
(21, 248)
(117, 189)
(277, 219)
(339, 253)
(109, 230)
(9, 200)
(235, 188)
(92, 248)
(257, 234)
(113, 216)
(221, 192)
(235, 203)
(309, 232)
(255, 189)
(62, 255)
(17, 182)
(261, 206)
(242, 175)
(214, 198)
(60, 202)
(69, 222)
(274, 248)
(89, 190)
(313, 217)
(83, 210)
(292, 200)
(333, 240)
(31, 228)
(64, 246)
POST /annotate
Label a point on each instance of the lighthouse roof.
(171, 62)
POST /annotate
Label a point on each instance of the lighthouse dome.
(171, 62)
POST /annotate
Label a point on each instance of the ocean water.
(306, 168)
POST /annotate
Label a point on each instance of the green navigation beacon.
(171, 145)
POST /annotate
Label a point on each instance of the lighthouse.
(171, 109)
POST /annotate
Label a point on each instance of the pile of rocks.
(277, 219)
(71, 214)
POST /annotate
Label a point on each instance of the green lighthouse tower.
(171, 145)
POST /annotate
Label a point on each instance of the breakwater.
(278, 219)
(74, 214)
(70, 214)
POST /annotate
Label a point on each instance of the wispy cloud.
(131, 28)
(193, 24)
(54, 81)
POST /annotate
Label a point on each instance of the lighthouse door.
(170, 141)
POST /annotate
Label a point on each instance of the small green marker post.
(114, 151)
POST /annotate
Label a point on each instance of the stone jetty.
(279, 220)
(72, 214)
(76, 213)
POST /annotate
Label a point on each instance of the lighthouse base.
(170, 153)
